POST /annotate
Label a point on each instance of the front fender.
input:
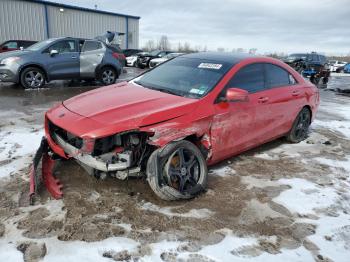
(165, 133)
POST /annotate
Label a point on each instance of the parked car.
(143, 59)
(334, 65)
(344, 68)
(347, 68)
(132, 60)
(171, 122)
(312, 65)
(13, 45)
(131, 52)
(60, 58)
(157, 61)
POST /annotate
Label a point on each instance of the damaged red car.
(170, 123)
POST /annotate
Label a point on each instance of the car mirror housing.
(53, 52)
(236, 95)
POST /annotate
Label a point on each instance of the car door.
(91, 56)
(283, 95)
(234, 123)
(63, 64)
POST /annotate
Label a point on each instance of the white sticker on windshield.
(197, 91)
(210, 66)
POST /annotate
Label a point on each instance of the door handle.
(295, 93)
(74, 57)
(263, 99)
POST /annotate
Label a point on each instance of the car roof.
(224, 57)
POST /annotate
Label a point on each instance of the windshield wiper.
(161, 89)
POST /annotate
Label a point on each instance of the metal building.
(38, 20)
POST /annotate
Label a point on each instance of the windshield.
(40, 45)
(154, 53)
(187, 77)
(297, 56)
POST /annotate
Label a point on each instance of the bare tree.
(149, 46)
(221, 49)
(163, 43)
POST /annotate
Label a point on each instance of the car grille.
(69, 138)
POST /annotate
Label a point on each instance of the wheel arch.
(41, 67)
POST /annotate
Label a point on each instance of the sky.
(270, 25)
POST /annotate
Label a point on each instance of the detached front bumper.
(46, 177)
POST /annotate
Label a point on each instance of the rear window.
(91, 46)
(276, 76)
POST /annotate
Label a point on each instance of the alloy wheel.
(34, 79)
(182, 170)
(108, 77)
(302, 126)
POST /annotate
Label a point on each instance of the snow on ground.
(16, 146)
(168, 211)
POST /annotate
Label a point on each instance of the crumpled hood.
(13, 53)
(129, 106)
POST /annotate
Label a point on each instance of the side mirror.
(236, 95)
(53, 52)
(21, 48)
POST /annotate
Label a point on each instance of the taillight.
(119, 56)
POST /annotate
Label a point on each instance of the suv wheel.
(177, 171)
(32, 77)
(108, 76)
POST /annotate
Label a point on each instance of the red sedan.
(176, 119)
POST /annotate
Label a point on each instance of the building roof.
(80, 8)
(231, 58)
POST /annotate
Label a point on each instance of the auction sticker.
(210, 66)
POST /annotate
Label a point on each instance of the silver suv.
(59, 59)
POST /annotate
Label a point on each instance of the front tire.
(177, 171)
(300, 126)
(32, 77)
(108, 76)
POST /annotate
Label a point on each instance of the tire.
(300, 126)
(173, 177)
(108, 75)
(32, 77)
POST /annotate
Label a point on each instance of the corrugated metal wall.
(25, 20)
(133, 28)
(21, 20)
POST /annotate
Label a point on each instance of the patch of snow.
(16, 147)
(222, 171)
(337, 230)
(304, 196)
(168, 211)
(342, 127)
(257, 182)
(84, 251)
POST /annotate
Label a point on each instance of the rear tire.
(32, 77)
(108, 75)
(300, 126)
(177, 171)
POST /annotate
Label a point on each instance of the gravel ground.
(277, 202)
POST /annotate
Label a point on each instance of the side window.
(11, 45)
(161, 54)
(65, 46)
(277, 76)
(250, 78)
(91, 46)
